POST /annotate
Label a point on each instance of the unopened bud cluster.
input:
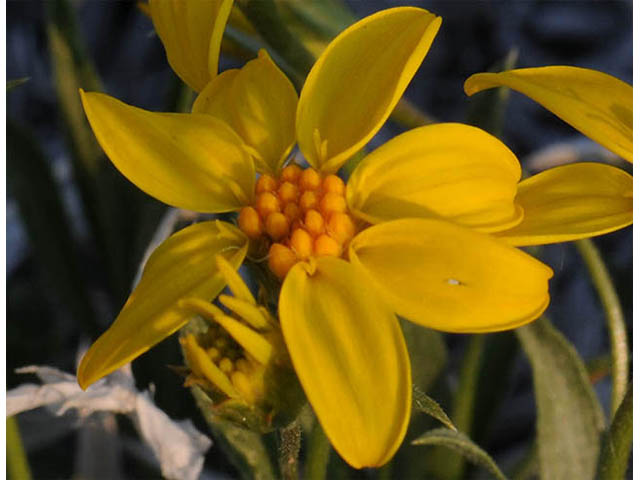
(302, 214)
(237, 356)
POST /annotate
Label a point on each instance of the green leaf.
(31, 183)
(460, 443)
(616, 445)
(11, 84)
(570, 418)
(487, 111)
(428, 405)
(112, 205)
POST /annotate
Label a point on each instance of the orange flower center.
(302, 214)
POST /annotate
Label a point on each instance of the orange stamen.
(276, 225)
(301, 243)
(288, 192)
(309, 179)
(313, 222)
(325, 245)
(281, 259)
(333, 184)
(332, 202)
(267, 203)
(266, 183)
(249, 222)
(290, 173)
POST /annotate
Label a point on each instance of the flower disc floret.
(302, 213)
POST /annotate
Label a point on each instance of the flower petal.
(182, 266)
(355, 84)
(571, 202)
(448, 170)
(259, 103)
(191, 32)
(450, 278)
(349, 353)
(597, 104)
(190, 161)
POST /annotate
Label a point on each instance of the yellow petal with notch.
(191, 32)
(448, 170)
(596, 104)
(571, 202)
(259, 102)
(182, 266)
(350, 356)
(357, 81)
(451, 278)
(190, 161)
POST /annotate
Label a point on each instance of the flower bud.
(237, 358)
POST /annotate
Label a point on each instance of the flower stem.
(615, 320)
(289, 451)
(450, 464)
(17, 463)
(318, 456)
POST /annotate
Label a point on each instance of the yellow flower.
(592, 198)
(412, 233)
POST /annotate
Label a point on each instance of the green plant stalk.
(17, 463)
(616, 445)
(289, 450)
(451, 464)
(615, 320)
(318, 455)
(266, 19)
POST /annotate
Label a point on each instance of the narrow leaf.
(428, 405)
(616, 445)
(487, 111)
(31, 183)
(109, 202)
(11, 84)
(570, 418)
(460, 443)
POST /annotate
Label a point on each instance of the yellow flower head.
(413, 232)
(239, 358)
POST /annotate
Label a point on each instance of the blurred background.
(77, 230)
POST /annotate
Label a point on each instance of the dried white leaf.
(178, 446)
